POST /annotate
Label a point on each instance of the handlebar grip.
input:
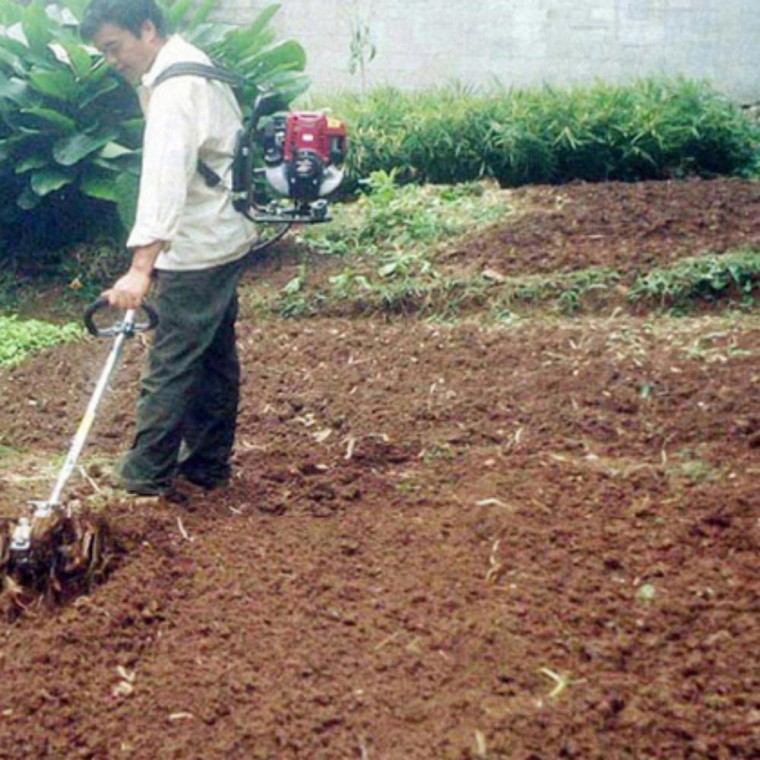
(128, 325)
(89, 313)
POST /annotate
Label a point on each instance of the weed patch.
(701, 278)
(20, 338)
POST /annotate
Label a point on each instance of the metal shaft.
(89, 416)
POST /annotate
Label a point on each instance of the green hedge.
(649, 129)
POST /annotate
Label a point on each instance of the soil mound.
(532, 542)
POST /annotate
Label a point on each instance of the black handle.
(128, 326)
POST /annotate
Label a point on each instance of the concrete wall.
(523, 42)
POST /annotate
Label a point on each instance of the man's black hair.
(127, 14)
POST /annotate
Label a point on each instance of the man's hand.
(130, 289)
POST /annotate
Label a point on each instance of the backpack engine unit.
(302, 154)
(297, 155)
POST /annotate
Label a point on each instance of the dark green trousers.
(190, 388)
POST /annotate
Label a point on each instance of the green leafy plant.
(20, 338)
(293, 300)
(252, 51)
(349, 283)
(700, 278)
(362, 49)
(70, 129)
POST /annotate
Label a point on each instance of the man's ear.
(148, 31)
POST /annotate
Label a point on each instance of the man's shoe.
(206, 483)
(175, 494)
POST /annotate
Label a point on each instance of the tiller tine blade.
(65, 557)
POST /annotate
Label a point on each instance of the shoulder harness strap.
(191, 68)
(207, 71)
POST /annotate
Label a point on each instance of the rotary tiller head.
(64, 557)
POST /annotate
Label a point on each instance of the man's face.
(128, 55)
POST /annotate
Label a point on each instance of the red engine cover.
(315, 132)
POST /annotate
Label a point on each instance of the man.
(187, 245)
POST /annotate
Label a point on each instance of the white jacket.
(188, 117)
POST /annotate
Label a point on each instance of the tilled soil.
(532, 541)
